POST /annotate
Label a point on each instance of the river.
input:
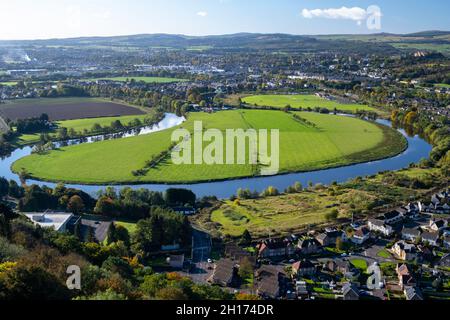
(417, 150)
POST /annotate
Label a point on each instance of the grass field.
(144, 79)
(8, 83)
(302, 148)
(79, 125)
(443, 85)
(301, 101)
(284, 214)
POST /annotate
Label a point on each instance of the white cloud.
(355, 13)
(202, 13)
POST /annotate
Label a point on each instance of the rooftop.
(56, 220)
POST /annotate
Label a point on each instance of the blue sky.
(31, 19)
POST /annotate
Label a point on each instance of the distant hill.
(231, 42)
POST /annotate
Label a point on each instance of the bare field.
(66, 109)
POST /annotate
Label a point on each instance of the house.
(432, 238)
(412, 210)
(405, 251)
(361, 235)
(302, 290)
(341, 266)
(236, 253)
(224, 273)
(275, 249)
(330, 236)
(350, 292)
(96, 229)
(176, 261)
(308, 246)
(303, 268)
(413, 294)
(393, 217)
(270, 282)
(376, 225)
(404, 275)
(447, 241)
(55, 220)
(438, 225)
(411, 234)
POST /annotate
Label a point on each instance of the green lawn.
(144, 79)
(302, 148)
(359, 264)
(301, 101)
(79, 125)
(384, 254)
(443, 85)
(130, 226)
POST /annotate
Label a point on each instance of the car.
(210, 261)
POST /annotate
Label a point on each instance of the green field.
(443, 85)
(139, 79)
(302, 148)
(9, 83)
(301, 101)
(79, 125)
(284, 214)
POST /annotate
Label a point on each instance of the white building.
(57, 221)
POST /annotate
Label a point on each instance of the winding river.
(417, 150)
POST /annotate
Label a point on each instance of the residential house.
(57, 221)
(308, 246)
(341, 266)
(437, 225)
(350, 292)
(236, 253)
(413, 294)
(405, 277)
(330, 236)
(224, 274)
(411, 234)
(270, 282)
(393, 217)
(431, 238)
(380, 226)
(361, 235)
(275, 249)
(302, 290)
(405, 251)
(96, 229)
(303, 268)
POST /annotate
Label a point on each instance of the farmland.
(301, 101)
(79, 125)
(143, 79)
(302, 148)
(66, 109)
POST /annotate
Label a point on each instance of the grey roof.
(413, 293)
(411, 231)
(430, 236)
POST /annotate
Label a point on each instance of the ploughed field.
(66, 109)
(332, 141)
(302, 101)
